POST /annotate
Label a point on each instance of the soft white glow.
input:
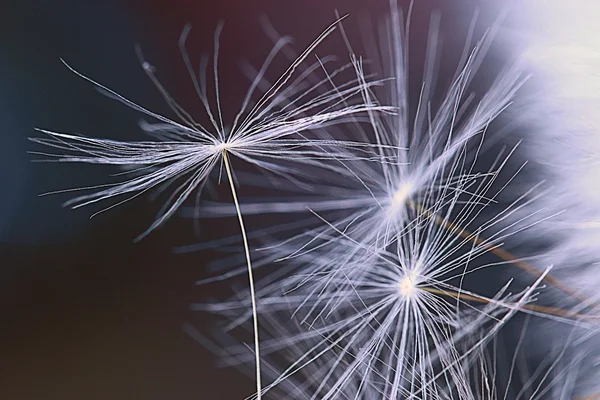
(400, 196)
(408, 285)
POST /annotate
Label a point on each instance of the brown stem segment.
(532, 307)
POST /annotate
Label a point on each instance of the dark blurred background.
(86, 313)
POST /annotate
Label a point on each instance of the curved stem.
(250, 275)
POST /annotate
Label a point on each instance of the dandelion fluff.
(563, 51)
(184, 152)
(383, 289)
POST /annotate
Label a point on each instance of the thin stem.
(250, 275)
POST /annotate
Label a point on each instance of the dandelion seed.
(398, 319)
(186, 152)
(382, 331)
